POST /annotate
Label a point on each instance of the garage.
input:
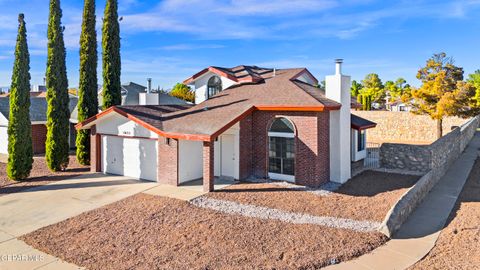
(132, 157)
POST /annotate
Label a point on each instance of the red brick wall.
(167, 169)
(312, 163)
(208, 166)
(95, 151)
(39, 136)
(245, 147)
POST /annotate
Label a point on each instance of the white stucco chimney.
(148, 98)
(149, 86)
(337, 88)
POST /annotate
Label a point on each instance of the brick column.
(208, 166)
(95, 151)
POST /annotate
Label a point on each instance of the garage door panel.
(133, 157)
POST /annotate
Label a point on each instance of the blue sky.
(173, 39)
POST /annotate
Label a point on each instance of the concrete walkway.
(418, 235)
(34, 208)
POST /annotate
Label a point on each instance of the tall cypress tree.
(111, 56)
(19, 129)
(87, 95)
(58, 114)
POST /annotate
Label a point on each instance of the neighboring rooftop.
(38, 107)
(130, 95)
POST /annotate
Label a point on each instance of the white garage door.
(136, 158)
(3, 140)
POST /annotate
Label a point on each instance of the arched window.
(214, 86)
(282, 125)
(281, 150)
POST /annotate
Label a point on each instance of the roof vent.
(205, 108)
(338, 66)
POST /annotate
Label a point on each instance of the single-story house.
(38, 118)
(398, 106)
(249, 122)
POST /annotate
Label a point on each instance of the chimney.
(149, 98)
(338, 66)
(149, 87)
(337, 88)
(274, 72)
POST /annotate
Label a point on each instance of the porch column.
(95, 150)
(208, 166)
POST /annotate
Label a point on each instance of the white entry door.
(133, 157)
(228, 155)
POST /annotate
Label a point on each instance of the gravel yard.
(40, 175)
(458, 246)
(151, 232)
(368, 196)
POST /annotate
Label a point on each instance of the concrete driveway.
(34, 208)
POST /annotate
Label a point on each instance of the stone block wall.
(405, 127)
(423, 158)
(405, 157)
(442, 154)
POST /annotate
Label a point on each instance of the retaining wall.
(423, 158)
(443, 153)
(405, 127)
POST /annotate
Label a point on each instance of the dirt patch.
(40, 175)
(367, 196)
(150, 232)
(458, 246)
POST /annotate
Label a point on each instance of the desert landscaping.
(145, 231)
(40, 175)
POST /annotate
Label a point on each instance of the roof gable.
(238, 74)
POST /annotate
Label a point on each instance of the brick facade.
(245, 154)
(208, 166)
(312, 156)
(167, 169)
(95, 151)
(39, 136)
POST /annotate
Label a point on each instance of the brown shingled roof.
(360, 123)
(215, 115)
(240, 74)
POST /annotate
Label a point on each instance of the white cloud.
(187, 47)
(283, 19)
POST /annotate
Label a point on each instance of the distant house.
(38, 88)
(136, 94)
(248, 122)
(398, 106)
(38, 118)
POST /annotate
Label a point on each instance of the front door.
(228, 156)
(281, 158)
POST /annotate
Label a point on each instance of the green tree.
(19, 129)
(87, 90)
(475, 80)
(184, 92)
(372, 86)
(443, 92)
(58, 114)
(111, 56)
(355, 89)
